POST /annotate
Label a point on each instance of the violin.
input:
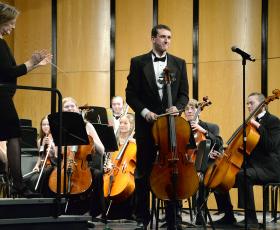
(173, 176)
(78, 173)
(221, 174)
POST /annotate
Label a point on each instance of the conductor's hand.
(150, 117)
(173, 109)
(41, 57)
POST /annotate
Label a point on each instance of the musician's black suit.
(262, 164)
(142, 92)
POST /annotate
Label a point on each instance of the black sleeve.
(183, 98)
(9, 71)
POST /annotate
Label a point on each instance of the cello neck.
(253, 114)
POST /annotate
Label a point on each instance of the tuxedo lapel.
(150, 74)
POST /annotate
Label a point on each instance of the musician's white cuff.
(144, 112)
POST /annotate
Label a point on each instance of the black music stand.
(107, 136)
(73, 133)
(73, 129)
(95, 114)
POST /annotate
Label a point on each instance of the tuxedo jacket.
(142, 90)
(213, 134)
(265, 158)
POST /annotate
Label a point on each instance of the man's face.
(162, 41)
(252, 103)
(190, 112)
(117, 105)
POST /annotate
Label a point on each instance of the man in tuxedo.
(145, 94)
(262, 164)
(117, 109)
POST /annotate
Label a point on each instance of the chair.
(274, 201)
(29, 140)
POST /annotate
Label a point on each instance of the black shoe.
(178, 227)
(140, 226)
(24, 192)
(225, 221)
(251, 223)
(218, 213)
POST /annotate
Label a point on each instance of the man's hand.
(255, 123)
(173, 109)
(150, 117)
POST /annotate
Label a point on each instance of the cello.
(221, 174)
(119, 172)
(78, 174)
(173, 176)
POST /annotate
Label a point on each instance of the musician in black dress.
(39, 178)
(9, 72)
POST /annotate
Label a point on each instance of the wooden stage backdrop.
(83, 51)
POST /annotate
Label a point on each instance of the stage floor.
(123, 224)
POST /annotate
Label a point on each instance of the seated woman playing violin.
(204, 130)
(96, 201)
(122, 203)
(38, 179)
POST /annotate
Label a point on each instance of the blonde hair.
(66, 99)
(131, 120)
(7, 13)
(193, 103)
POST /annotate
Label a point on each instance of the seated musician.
(211, 132)
(47, 158)
(123, 209)
(262, 164)
(117, 109)
(97, 203)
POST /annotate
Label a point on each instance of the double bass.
(221, 174)
(78, 173)
(173, 176)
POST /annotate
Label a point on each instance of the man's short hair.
(158, 27)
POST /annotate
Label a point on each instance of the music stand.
(73, 133)
(95, 114)
(107, 136)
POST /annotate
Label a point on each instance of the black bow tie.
(117, 117)
(159, 58)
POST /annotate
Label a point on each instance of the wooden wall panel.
(274, 52)
(33, 32)
(133, 36)
(84, 50)
(222, 25)
(178, 15)
(86, 87)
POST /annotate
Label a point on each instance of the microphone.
(243, 53)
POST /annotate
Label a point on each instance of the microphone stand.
(244, 142)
